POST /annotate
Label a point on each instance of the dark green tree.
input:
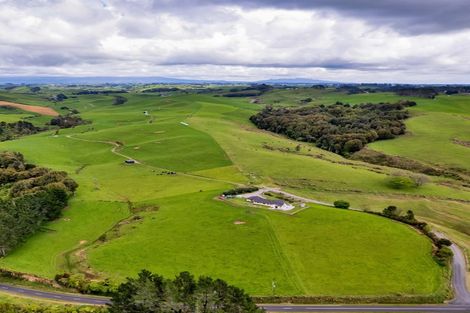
(150, 293)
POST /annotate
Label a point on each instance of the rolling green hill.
(181, 226)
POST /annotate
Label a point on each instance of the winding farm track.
(30, 108)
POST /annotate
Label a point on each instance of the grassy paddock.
(319, 251)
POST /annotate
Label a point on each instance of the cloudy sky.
(423, 41)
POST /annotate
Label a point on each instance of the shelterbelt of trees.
(29, 196)
(341, 128)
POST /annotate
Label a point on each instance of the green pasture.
(317, 251)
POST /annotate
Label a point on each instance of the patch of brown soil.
(30, 108)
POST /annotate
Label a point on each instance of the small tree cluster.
(118, 100)
(341, 204)
(67, 121)
(151, 293)
(58, 98)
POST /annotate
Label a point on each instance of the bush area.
(442, 255)
(340, 128)
(9, 131)
(240, 190)
(153, 293)
(32, 196)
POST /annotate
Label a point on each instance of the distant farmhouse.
(273, 204)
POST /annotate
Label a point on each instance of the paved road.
(459, 274)
(87, 300)
(459, 269)
(461, 302)
(56, 296)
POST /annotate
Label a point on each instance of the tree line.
(340, 128)
(31, 196)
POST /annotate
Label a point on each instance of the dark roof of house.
(261, 200)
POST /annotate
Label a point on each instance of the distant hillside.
(64, 80)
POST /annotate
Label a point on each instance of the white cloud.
(93, 38)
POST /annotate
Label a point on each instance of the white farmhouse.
(273, 204)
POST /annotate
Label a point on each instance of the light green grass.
(192, 231)
(430, 139)
(296, 251)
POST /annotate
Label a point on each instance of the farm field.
(211, 146)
